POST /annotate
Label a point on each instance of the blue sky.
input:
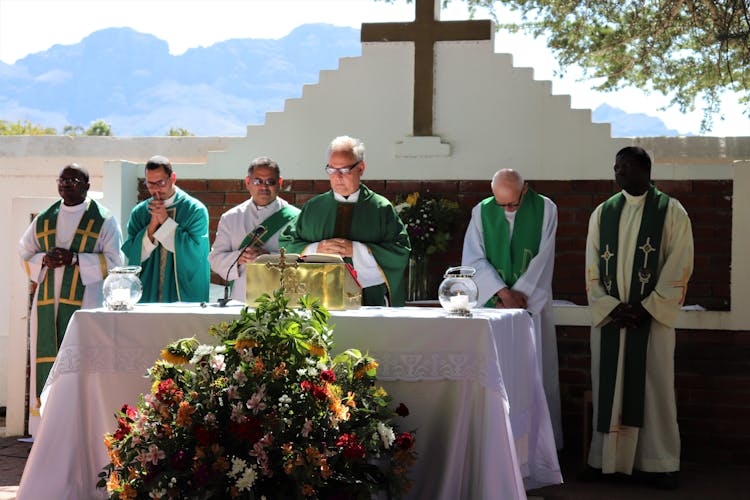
(29, 26)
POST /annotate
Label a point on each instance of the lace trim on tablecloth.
(392, 365)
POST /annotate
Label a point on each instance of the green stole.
(509, 254)
(272, 224)
(636, 339)
(51, 329)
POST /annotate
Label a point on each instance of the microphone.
(254, 240)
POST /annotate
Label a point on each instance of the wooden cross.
(424, 32)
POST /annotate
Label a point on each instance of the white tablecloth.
(472, 385)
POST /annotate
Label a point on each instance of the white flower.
(217, 363)
(157, 493)
(247, 479)
(238, 466)
(312, 371)
(284, 400)
(386, 434)
(301, 371)
(202, 351)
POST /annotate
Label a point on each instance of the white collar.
(634, 200)
(352, 198)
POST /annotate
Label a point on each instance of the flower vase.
(419, 278)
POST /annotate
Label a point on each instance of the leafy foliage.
(265, 413)
(24, 128)
(686, 49)
(179, 132)
(99, 127)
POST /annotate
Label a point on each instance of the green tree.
(25, 128)
(179, 132)
(99, 127)
(73, 130)
(689, 50)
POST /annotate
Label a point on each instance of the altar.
(472, 385)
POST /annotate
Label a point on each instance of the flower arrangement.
(428, 221)
(266, 413)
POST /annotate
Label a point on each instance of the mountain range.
(131, 81)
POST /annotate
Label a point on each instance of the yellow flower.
(173, 358)
(372, 365)
(316, 350)
(381, 392)
(412, 199)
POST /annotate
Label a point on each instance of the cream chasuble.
(656, 446)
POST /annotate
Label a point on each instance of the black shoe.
(665, 480)
(590, 475)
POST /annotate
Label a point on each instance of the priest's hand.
(337, 246)
(57, 257)
(250, 254)
(511, 299)
(625, 315)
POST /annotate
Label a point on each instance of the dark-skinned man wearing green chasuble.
(352, 221)
(67, 250)
(510, 241)
(639, 258)
(168, 238)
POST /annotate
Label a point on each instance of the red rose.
(402, 410)
(123, 428)
(319, 393)
(405, 441)
(351, 447)
(328, 376)
(129, 411)
(306, 385)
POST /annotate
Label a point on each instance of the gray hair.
(346, 144)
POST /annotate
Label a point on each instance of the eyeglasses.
(156, 184)
(343, 170)
(69, 181)
(513, 205)
(268, 182)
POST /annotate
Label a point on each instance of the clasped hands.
(629, 315)
(159, 215)
(511, 299)
(250, 254)
(57, 257)
(337, 246)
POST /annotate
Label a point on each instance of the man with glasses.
(352, 221)
(510, 242)
(253, 227)
(168, 238)
(66, 251)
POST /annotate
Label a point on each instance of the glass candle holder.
(122, 288)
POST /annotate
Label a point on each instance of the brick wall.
(708, 202)
(712, 380)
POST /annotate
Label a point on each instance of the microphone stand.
(259, 231)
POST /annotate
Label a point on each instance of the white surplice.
(656, 446)
(90, 268)
(535, 283)
(234, 225)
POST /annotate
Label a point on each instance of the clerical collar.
(168, 202)
(263, 208)
(352, 198)
(510, 216)
(74, 208)
(634, 200)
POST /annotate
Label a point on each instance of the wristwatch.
(74, 259)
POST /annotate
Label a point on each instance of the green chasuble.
(511, 257)
(374, 223)
(644, 273)
(184, 274)
(50, 327)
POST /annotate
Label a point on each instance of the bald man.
(510, 241)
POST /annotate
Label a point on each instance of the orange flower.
(280, 371)
(286, 448)
(108, 441)
(183, 414)
(132, 473)
(113, 484)
(369, 366)
(128, 493)
(340, 411)
(313, 455)
(350, 399)
(325, 471)
(245, 344)
(114, 457)
(259, 367)
(317, 350)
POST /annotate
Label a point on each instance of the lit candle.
(120, 295)
(460, 302)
